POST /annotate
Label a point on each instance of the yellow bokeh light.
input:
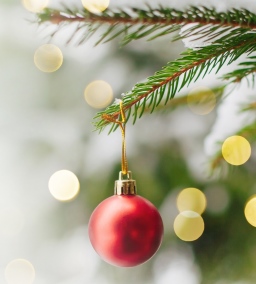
(64, 185)
(98, 94)
(95, 6)
(250, 211)
(201, 100)
(20, 271)
(35, 6)
(191, 199)
(236, 150)
(48, 58)
(188, 226)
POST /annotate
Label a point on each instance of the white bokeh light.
(98, 94)
(20, 271)
(64, 185)
(48, 58)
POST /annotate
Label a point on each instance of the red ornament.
(125, 229)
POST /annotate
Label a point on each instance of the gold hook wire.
(121, 123)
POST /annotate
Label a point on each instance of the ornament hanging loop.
(121, 123)
(128, 175)
(122, 126)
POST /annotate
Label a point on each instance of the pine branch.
(164, 84)
(135, 23)
(223, 37)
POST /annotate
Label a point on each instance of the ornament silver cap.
(125, 186)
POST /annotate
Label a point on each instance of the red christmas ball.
(125, 230)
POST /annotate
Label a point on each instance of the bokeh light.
(95, 6)
(250, 211)
(64, 185)
(236, 150)
(35, 6)
(11, 221)
(191, 199)
(98, 94)
(20, 271)
(201, 100)
(188, 226)
(48, 58)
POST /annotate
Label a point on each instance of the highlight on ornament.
(201, 100)
(19, 271)
(95, 6)
(191, 199)
(250, 211)
(236, 150)
(35, 6)
(64, 185)
(188, 226)
(48, 58)
(98, 94)
(11, 221)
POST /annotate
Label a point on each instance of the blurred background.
(46, 126)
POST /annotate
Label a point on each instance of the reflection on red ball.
(125, 230)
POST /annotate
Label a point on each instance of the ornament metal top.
(125, 186)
